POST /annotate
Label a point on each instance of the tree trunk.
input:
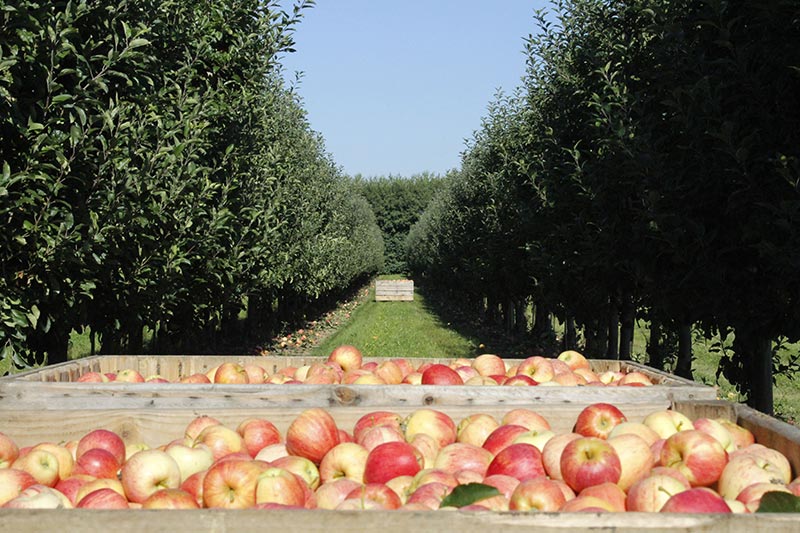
(684, 366)
(508, 315)
(613, 332)
(521, 320)
(542, 326)
(570, 335)
(626, 327)
(596, 339)
(757, 361)
(655, 351)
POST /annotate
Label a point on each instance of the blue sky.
(397, 86)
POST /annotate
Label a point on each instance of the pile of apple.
(345, 366)
(665, 463)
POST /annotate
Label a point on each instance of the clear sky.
(397, 86)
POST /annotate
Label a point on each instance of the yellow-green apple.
(538, 368)
(379, 493)
(610, 377)
(460, 456)
(438, 374)
(745, 469)
(104, 498)
(196, 378)
(65, 461)
(312, 434)
(196, 426)
(574, 359)
(278, 485)
(401, 485)
(97, 484)
(231, 484)
(503, 437)
(635, 457)
(608, 492)
(170, 499)
(475, 428)
(300, 466)
(257, 433)
(230, 373)
(390, 460)
(667, 422)
(92, 377)
(221, 440)
(636, 378)
(346, 356)
(535, 437)
(41, 464)
(598, 419)
(211, 372)
(435, 423)
(271, 452)
(147, 472)
(375, 419)
(9, 451)
(190, 459)
(635, 428)
(105, 439)
(737, 507)
(589, 461)
(526, 418)
(520, 380)
(649, 494)
(329, 495)
(12, 482)
(742, 437)
(489, 364)
(586, 504)
(39, 497)
(346, 459)
(537, 494)
(716, 430)
(194, 486)
(522, 461)
(69, 486)
(552, 451)
(696, 500)
(751, 495)
(380, 435)
(129, 375)
(697, 455)
(389, 372)
(430, 494)
(97, 462)
(427, 446)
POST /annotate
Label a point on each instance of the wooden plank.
(249, 520)
(394, 290)
(772, 433)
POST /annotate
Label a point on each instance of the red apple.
(635, 457)
(196, 426)
(537, 494)
(636, 378)
(69, 486)
(390, 460)
(438, 374)
(635, 428)
(696, 455)
(194, 486)
(147, 472)
(520, 380)
(376, 419)
(489, 364)
(521, 461)
(230, 373)
(433, 475)
(427, 446)
(92, 377)
(255, 373)
(312, 434)
(526, 418)
(609, 492)
(257, 433)
(220, 440)
(278, 485)
(231, 484)
(389, 372)
(271, 452)
(103, 499)
(460, 456)
(105, 439)
(716, 430)
(742, 437)
(12, 482)
(99, 463)
(598, 419)
(537, 368)
(503, 437)
(746, 469)
(430, 494)
(346, 356)
(696, 500)
(97, 484)
(373, 496)
(589, 461)
(129, 375)
(380, 435)
(587, 504)
(751, 495)
(435, 423)
(170, 499)
(195, 378)
(330, 494)
(552, 451)
(64, 457)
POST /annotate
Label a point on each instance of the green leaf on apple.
(468, 494)
(779, 502)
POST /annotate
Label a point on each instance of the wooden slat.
(394, 290)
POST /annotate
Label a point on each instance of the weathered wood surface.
(246, 521)
(394, 290)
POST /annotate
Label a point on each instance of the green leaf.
(136, 43)
(779, 502)
(468, 494)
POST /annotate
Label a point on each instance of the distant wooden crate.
(394, 290)
(155, 427)
(55, 387)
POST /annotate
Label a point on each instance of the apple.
(716, 430)
(301, 467)
(438, 374)
(610, 493)
(12, 482)
(770, 454)
(329, 495)
(405, 366)
(323, 374)
(369, 379)
(636, 378)
(475, 428)
(41, 464)
(751, 495)
(489, 364)
(147, 472)
(312, 434)
(460, 456)
(414, 378)
(435, 423)
(794, 486)
(521, 461)
(427, 446)
(196, 426)
(433, 475)
(257, 433)
(104, 498)
(389, 372)
(536, 437)
(195, 378)
(520, 380)
(590, 376)
(697, 455)
(503, 437)
(573, 359)
(635, 428)
(220, 440)
(39, 497)
(376, 419)
(430, 494)
(500, 379)
(610, 377)
(97, 484)
(505, 484)
(552, 451)
(696, 500)
(589, 461)
(346, 356)
(537, 494)
(278, 485)
(105, 439)
(92, 377)
(271, 452)
(255, 373)
(587, 504)
(9, 451)
(372, 496)
(746, 469)
(156, 378)
(598, 419)
(390, 460)
(69, 486)
(170, 499)
(467, 476)
(64, 457)
(129, 375)
(230, 373)
(98, 462)
(380, 435)
(668, 422)
(635, 457)
(742, 437)
(672, 472)
(650, 493)
(346, 459)
(467, 373)
(480, 381)
(231, 484)
(194, 486)
(537, 368)
(527, 418)
(190, 459)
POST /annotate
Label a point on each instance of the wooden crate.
(54, 387)
(394, 290)
(29, 427)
